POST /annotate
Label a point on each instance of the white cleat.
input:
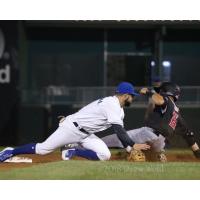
(67, 154)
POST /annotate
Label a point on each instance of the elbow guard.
(189, 137)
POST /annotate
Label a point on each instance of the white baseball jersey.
(99, 115)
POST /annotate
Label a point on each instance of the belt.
(80, 129)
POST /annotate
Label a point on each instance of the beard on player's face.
(128, 101)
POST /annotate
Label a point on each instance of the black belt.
(80, 129)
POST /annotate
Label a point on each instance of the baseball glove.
(136, 156)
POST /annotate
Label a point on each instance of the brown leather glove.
(136, 156)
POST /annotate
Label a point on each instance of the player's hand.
(144, 91)
(158, 99)
(141, 146)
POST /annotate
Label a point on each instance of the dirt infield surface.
(37, 159)
(56, 156)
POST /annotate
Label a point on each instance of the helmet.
(170, 89)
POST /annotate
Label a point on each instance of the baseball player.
(81, 127)
(166, 119)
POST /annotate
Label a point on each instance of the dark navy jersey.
(166, 119)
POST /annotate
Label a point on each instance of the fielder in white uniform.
(80, 128)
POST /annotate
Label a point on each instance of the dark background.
(88, 54)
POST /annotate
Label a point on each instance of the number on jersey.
(173, 120)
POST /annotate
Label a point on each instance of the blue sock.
(86, 153)
(25, 149)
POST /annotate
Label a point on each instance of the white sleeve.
(113, 113)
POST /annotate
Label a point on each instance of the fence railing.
(190, 95)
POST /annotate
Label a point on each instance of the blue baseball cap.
(126, 88)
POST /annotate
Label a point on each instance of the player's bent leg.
(93, 148)
(104, 155)
(98, 146)
(84, 153)
(67, 154)
(61, 137)
(142, 135)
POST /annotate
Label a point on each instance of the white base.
(17, 159)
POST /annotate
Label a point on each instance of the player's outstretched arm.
(126, 140)
(157, 98)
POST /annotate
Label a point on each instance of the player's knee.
(106, 155)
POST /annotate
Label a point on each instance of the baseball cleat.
(68, 154)
(6, 154)
(162, 157)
